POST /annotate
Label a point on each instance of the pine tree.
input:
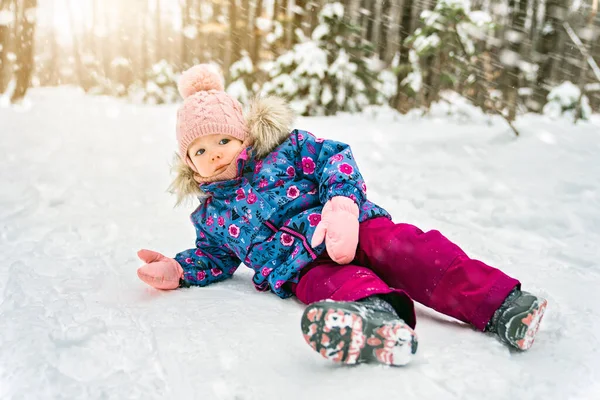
(241, 74)
(563, 100)
(160, 86)
(329, 72)
(444, 56)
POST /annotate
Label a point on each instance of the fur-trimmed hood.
(269, 121)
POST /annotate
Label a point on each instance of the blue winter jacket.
(266, 217)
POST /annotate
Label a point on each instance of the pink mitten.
(159, 271)
(339, 229)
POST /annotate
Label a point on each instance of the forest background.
(507, 57)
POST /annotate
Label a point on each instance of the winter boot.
(368, 330)
(517, 320)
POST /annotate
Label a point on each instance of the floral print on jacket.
(267, 216)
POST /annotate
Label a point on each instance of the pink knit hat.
(206, 109)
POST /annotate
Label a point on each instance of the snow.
(389, 83)
(575, 6)
(6, 17)
(276, 34)
(190, 31)
(480, 18)
(320, 31)
(264, 24)
(455, 4)
(509, 58)
(547, 29)
(332, 10)
(465, 30)
(529, 69)
(326, 95)
(566, 94)
(238, 90)
(429, 17)
(206, 11)
(83, 188)
(342, 68)
(120, 62)
(242, 66)
(31, 15)
(514, 36)
(563, 99)
(423, 43)
(414, 79)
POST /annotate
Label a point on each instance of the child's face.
(211, 154)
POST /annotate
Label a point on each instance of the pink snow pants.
(402, 262)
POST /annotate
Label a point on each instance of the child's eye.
(200, 152)
(224, 141)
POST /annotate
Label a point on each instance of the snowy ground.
(83, 188)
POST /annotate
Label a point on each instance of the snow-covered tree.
(92, 76)
(563, 99)
(443, 49)
(160, 86)
(241, 73)
(329, 72)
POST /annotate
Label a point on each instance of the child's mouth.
(220, 169)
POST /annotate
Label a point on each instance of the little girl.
(293, 208)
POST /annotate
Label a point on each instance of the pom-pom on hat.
(206, 109)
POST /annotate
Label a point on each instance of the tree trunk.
(276, 10)
(245, 27)
(25, 46)
(123, 62)
(222, 46)
(393, 31)
(287, 22)
(234, 38)
(4, 47)
(516, 36)
(376, 30)
(314, 6)
(380, 46)
(534, 29)
(366, 18)
(185, 42)
(595, 95)
(97, 43)
(298, 19)
(144, 43)
(158, 50)
(414, 15)
(402, 101)
(214, 42)
(257, 34)
(487, 75)
(587, 38)
(54, 62)
(106, 48)
(76, 48)
(354, 11)
(435, 83)
(201, 38)
(550, 48)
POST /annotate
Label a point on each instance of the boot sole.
(390, 341)
(531, 320)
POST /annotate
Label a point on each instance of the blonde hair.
(268, 119)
